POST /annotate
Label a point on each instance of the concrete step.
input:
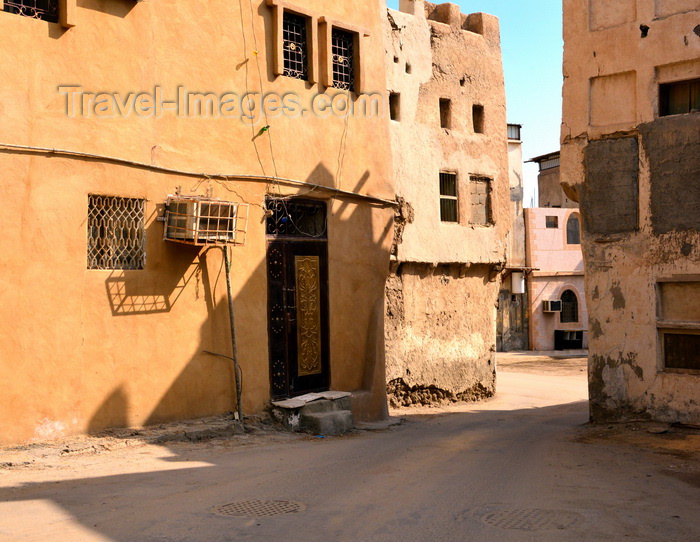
(335, 422)
(291, 413)
(325, 405)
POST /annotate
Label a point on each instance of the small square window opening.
(395, 106)
(679, 98)
(552, 221)
(445, 113)
(478, 118)
(448, 197)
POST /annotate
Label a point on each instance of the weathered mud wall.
(445, 76)
(626, 158)
(440, 334)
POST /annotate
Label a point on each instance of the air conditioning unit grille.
(553, 305)
(204, 221)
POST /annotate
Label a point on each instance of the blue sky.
(531, 39)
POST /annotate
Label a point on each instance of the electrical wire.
(242, 177)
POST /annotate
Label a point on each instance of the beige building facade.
(556, 291)
(631, 152)
(549, 187)
(108, 108)
(450, 156)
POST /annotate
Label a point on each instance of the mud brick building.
(450, 154)
(631, 153)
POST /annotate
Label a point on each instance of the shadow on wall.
(206, 385)
(133, 292)
(116, 9)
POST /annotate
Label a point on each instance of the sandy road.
(520, 467)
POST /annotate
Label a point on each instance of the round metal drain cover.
(258, 508)
(531, 520)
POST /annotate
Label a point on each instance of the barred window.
(569, 307)
(46, 10)
(116, 233)
(448, 197)
(295, 46)
(480, 199)
(343, 50)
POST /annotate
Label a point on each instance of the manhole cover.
(531, 520)
(258, 508)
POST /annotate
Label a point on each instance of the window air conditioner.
(204, 221)
(553, 305)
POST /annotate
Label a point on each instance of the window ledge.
(677, 324)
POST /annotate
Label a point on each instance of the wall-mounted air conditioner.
(551, 305)
(205, 221)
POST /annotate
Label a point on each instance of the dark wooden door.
(297, 273)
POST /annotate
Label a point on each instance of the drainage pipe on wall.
(236, 368)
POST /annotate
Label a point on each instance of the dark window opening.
(343, 50)
(445, 113)
(478, 118)
(448, 197)
(45, 10)
(395, 106)
(681, 351)
(568, 340)
(295, 46)
(296, 218)
(569, 307)
(679, 98)
(480, 201)
(552, 221)
(409, 69)
(573, 231)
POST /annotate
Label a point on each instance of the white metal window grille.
(296, 62)
(116, 233)
(480, 199)
(202, 221)
(46, 10)
(343, 50)
(448, 197)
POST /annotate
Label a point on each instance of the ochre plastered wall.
(441, 306)
(87, 349)
(629, 167)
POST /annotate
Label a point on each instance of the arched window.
(569, 307)
(573, 230)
